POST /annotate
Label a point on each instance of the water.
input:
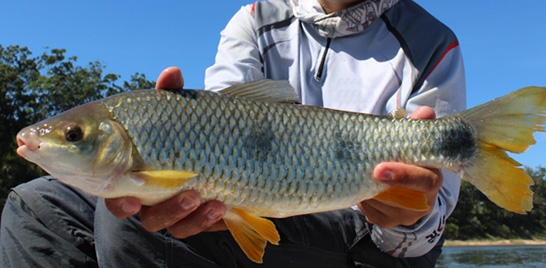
(493, 256)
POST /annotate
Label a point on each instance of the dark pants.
(48, 224)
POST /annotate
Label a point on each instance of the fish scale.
(246, 136)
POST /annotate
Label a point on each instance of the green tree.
(34, 88)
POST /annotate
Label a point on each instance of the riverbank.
(500, 242)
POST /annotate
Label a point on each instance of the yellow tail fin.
(505, 125)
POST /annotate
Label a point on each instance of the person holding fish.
(366, 56)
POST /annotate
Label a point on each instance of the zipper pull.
(318, 76)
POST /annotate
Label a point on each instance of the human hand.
(183, 215)
(426, 180)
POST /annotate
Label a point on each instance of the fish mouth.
(26, 144)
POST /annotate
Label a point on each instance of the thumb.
(170, 78)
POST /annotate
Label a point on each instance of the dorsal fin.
(267, 90)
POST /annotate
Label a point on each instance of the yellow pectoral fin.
(403, 197)
(251, 232)
(163, 178)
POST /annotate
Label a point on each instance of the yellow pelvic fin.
(403, 197)
(505, 124)
(251, 232)
(163, 178)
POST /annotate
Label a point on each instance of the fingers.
(123, 207)
(388, 216)
(423, 112)
(417, 178)
(170, 78)
(207, 217)
(167, 213)
(183, 215)
(409, 176)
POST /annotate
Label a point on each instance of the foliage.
(478, 218)
(34, 88)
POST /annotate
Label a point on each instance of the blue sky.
(504, 42)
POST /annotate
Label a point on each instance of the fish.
(253, 147)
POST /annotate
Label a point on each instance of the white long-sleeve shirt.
(403, 57)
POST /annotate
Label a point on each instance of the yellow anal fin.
(403, 197)
(162, 178)
(251, 232)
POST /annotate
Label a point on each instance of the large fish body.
(265, 158)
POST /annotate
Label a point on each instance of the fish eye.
(73, 133)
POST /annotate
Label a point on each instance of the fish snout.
(27, 140)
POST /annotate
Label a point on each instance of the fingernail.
(213, 216)
(129, 207)
(386, 176)
(187, 204)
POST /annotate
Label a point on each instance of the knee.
(32, 191)
(23, 197)
(40, 196)
(16, 209)
(49, 189)
(41, 184)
